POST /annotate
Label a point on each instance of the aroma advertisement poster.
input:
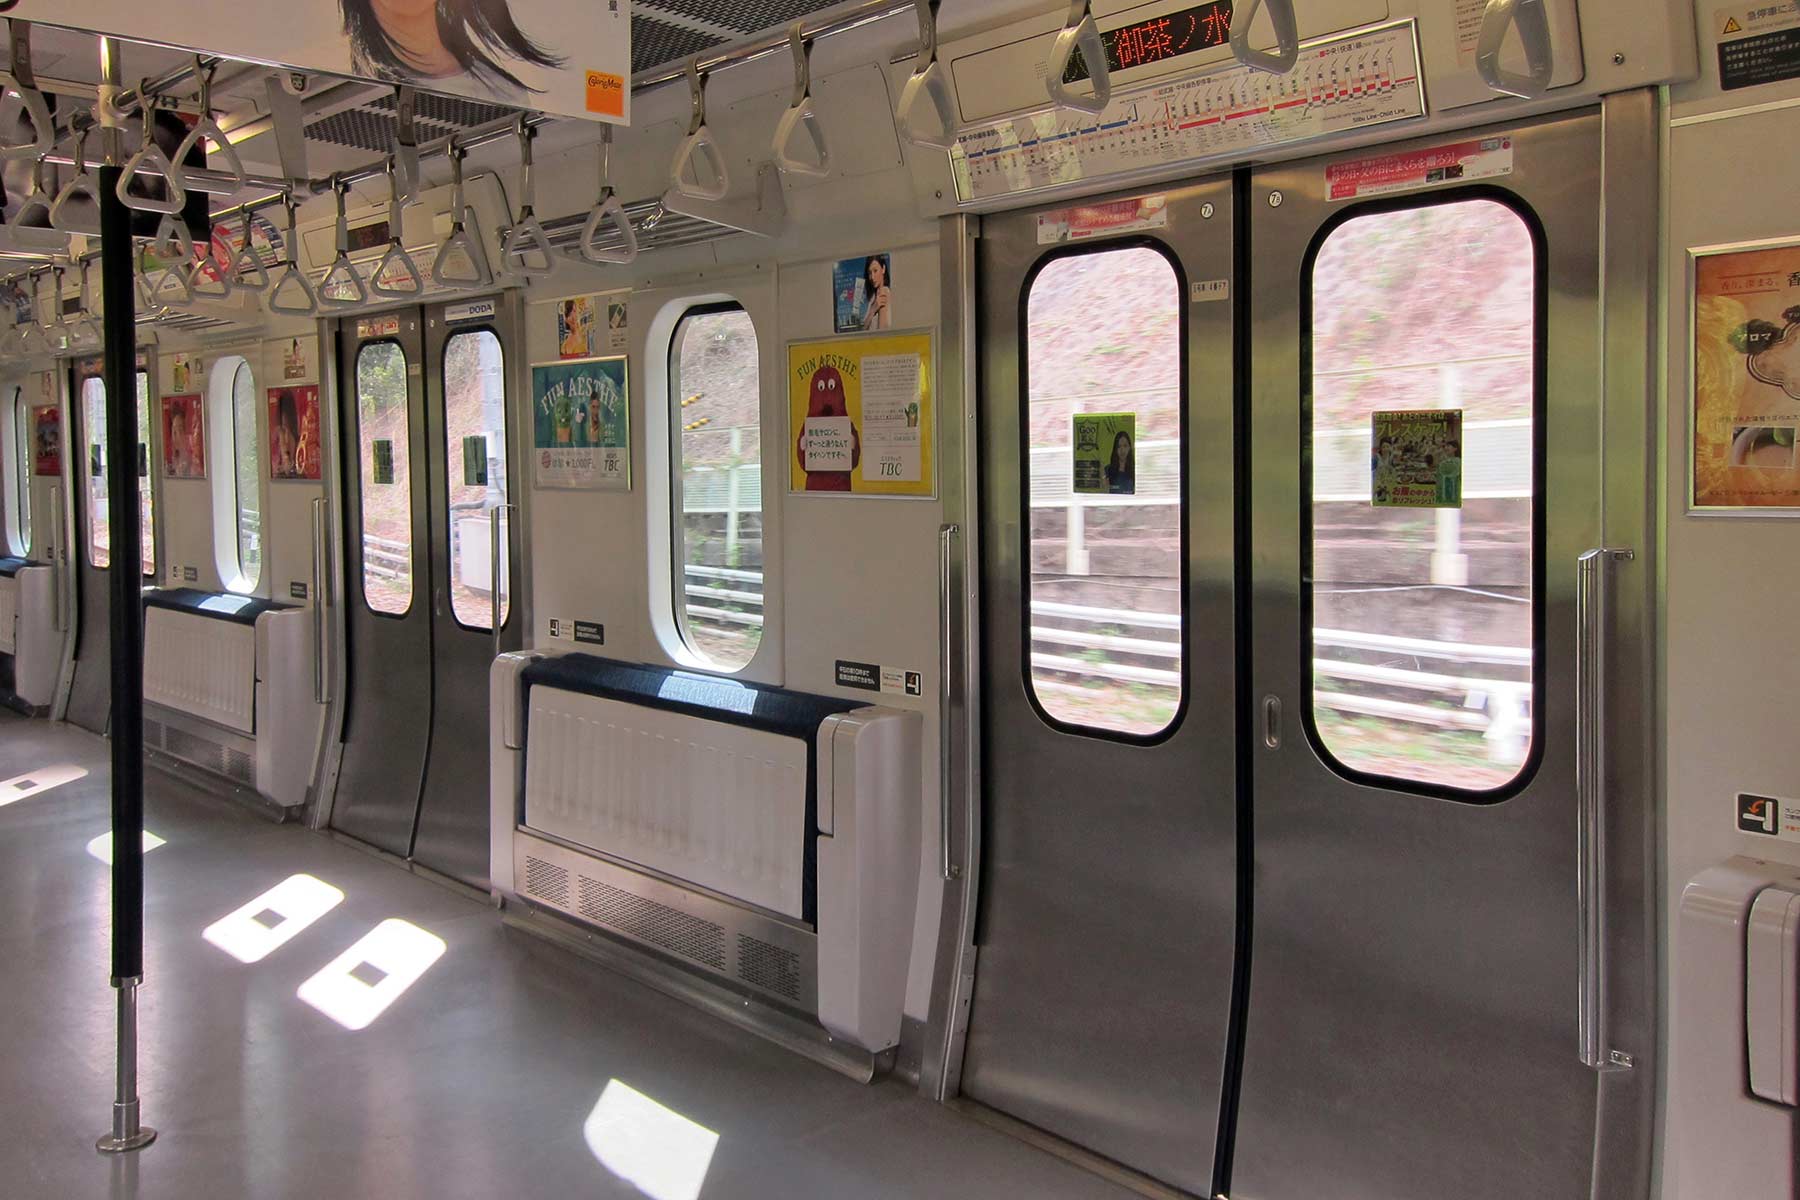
(294, 433)
(581, 427)
(1746, 385)
(860, 416)
(183, 438)
(46, 441)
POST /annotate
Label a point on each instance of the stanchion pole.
(119, 326)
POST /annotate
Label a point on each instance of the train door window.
(385, 452)
(21, 471)
(146, 495)
(237, 488)
(1422, 530)
(93, 428)
(1103, 379)
(715, 392)
(475, 456)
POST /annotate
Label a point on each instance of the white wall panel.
(9, 613)
(201, 666)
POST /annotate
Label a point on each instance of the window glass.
(21, 468)
(384, 451)
(475, 456)
(715, 387)
(146, 497)
(247, 476)
(1103, 479)
(1423, 614)
(93, 462)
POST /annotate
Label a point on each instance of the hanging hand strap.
(342, 287)
(608, 211)
(1079, 32)
(209, 129)
(1287, 37)
(929, 82)
(22, 98)
(527, 248)
(460, 241)
(800, 115)
(698, 145)
(396, 275)
(150, 161)
(292, 279)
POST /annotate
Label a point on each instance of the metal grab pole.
(127, 628)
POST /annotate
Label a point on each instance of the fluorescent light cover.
(20, 787)
(399, 953)
(101, 847)
(298, 900)
(656, 1149)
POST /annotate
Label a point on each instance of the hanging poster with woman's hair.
(294, 433)
(183, 438)
(862, 294)
(1746, 379)
(46, 440)
(1105, 457)
(860, 416)
(581, 424)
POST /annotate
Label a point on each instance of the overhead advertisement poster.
(1746, 401)
(581, 424)
(861, 416)
(570, 58)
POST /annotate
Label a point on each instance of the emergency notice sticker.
(1769, 816)
(1462, 162)
(1758, 44)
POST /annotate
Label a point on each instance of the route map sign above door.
(569, 58)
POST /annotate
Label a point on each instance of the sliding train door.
(427, 471)
(1425, 477)
(1108, 914)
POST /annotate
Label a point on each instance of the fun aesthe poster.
(581, 426)
(860, 416)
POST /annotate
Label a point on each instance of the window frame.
(220, 400)
(1183, 403)
(86, 462)
(21, 467)
(362, 513)
(457, 331)
(677, 483)
(1540, 356)
(146, 393)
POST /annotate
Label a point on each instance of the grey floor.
(477, 1082)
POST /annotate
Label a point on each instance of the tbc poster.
(183, 438)
(1417, 459)
(294, 433)
(1105, 454)
(581, 427)
(46, 441)
(860, 415)
(1746, 378)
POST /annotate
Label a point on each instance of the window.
(715, 391)
(384, 450)
(1424, 619)
(93, 412)
(475, 456)
(236, 488)
(21, 471)
(146, 497)
(1103, 380)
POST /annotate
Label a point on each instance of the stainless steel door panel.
(1108, 906)
(387, 722)
(1411, 1025)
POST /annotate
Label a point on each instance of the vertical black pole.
(119, 326)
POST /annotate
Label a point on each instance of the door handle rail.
(1592, 610)
(497, 579)
(946, 655)
(59, 561)
(321, 590)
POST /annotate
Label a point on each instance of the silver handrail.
(59, 561)
(946, 625)
(496, 579)
(1592, 609)
(321, 589)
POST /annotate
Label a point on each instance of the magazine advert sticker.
(1094, 220)
(1417, 460)
(1462, 162)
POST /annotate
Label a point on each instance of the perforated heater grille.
(202, 752)
(770, 968)
(658, 924)
(547, 881)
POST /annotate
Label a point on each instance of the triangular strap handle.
(1533, 25)
(36, 198)
(209, 128)
(930, 83)
(80, 184)
(525, 242)
(160, 283)
(217, 286)
(479, 275)
(247, 271)
(172, 239)
(802, 116)
(343, 275)
(397, 260)
(609, 211)
(18, 98)
(699, 143)
(293, 277)
(144, 286)
(1083, 33)
(150, 158)
(1287, 37)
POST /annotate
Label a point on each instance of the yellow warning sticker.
(1731, 26)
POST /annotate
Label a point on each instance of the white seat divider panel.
(201, 666)
(9, 612)
(717, 805)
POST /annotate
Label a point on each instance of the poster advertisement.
(1416, 458)
(581, 424)
(618, 322)
(46, 441)
(296, 359)
(575, 327)
(1114, 217)
(183, 438)
(1105, 454)
(862, 292)
(187, 372)
(1746, 404)
(860, 416)
(294, 433)
(571, 58)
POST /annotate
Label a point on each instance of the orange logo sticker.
(606, 93)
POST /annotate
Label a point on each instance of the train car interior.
(579, 615)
